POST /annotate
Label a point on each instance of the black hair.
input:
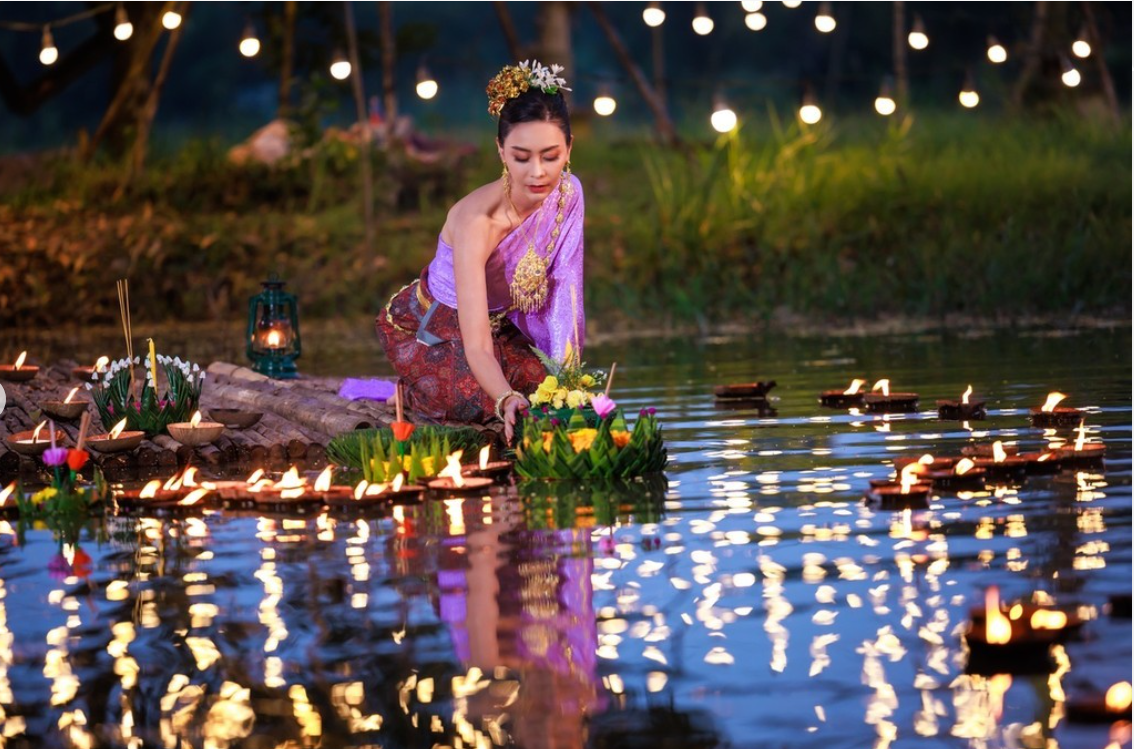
(534, 106)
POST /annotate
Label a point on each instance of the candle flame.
(1082, 440)
(375, 489)
(1048, 619)
(291, 480)
(966, 394)
(1118, 697)
(70, 395)
(117, 430)
(909, 476)
(453, 469)
(189, 478)
(855, 386)
(484, 457)
(102, 362)
(195, 421)
(150, 490)
(193, 497)
(1051, 402)
(323, 483)
(7, 492)
(174, 483)
(997, 628)
(260, 486)
(399, 480)
(884, 386)
(274, 339)
(39, 428)
(926, 460)
(964, 465)
(256, 476)
(998, 452)
(1016, 611)
(361, 489)
(20, 359)
(1044, 457)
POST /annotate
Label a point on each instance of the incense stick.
(610, 378)
(86, 422)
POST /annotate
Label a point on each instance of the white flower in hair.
(544, 78)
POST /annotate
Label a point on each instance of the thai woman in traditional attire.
(508, 273)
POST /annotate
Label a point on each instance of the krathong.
(149, 411)
(552, 448)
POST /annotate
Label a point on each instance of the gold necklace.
(529, 281)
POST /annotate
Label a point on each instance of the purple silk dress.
(419, 332)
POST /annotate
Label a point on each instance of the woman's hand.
(513, 405)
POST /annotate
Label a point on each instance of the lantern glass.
(273, 331)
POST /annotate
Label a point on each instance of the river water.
(749, 598)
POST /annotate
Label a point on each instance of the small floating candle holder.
(18, 372)
(1099, 707)
(852, 397)
(85, 374)
(926, 463)
(112, 443)
(1081, 454)
(885, 402)
(961, 410)
(744, 391)
(989, 450)
(889, 495)
(1043, 463)
(449, 485)
(196, 433)
(66, 410)
(762, 408)
(972, 479)
(1051, 415)
(34, 442)
(234, 418)
(165, 500)
(495, 470)
(1018, 642)
(9, 501)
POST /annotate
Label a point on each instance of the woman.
(508, 273)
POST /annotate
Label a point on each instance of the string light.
(340, 66)
(653, 15)
(123, 29)
(702, 23)
(809, 112)
(792, 3)
(996, 52)
(426, 85)
(723, 118)
(1071, 77)
(751, 6)
(171, 20)
(604, 103)
(824, 21)
(968, 97)
(917, 38)
(249, 44)
(1081, 47)
(48, 52)
(884, 104)
(756, 21)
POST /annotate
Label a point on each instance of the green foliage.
(148, 412)
(549, 449)
(572, 504)
(375, 451)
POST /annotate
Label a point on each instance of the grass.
(948, 214)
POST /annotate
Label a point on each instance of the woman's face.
(535, 153)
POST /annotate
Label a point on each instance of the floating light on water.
(998, 629)
(1118, 696)
(1053, 400)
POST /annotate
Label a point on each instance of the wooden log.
(182, 453)
(9, 461)
(305, 411)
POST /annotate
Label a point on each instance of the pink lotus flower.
(603, 405)
(56, 456)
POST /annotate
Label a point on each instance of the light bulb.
(123, 29)
(249, 44)
(751, 6)
(885, 106)
(756, 21)
(653, 15)
(340, 67)
(171, 20)
(1081, 48)
(605, 105)
(723, 120)
(48, 52)
(703, 25)
(427, 88)
(825, 22)
(1071, 78)
(792, 3)
(918, 40)
(996, 52)
(810, 113)
(968, 98)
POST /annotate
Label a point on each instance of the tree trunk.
(287, 60)
(901, 73)
(363, 127)
(553, 23)
(389, 58)
(666, 131)
(509, 29)
(1100, 62)
(1033, 56)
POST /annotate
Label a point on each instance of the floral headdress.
(514, 80)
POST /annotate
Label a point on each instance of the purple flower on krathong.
(554, 422)
(59, 568)
(651, 410)
(603, 405)
(56, 456)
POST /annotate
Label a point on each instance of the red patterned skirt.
(430, 359)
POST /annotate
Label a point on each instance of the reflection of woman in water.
(508, 273)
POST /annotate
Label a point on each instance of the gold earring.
(506, 178)
(568, 167)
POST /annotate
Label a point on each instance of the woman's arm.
(470, 256)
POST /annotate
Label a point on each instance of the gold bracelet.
(500, 402)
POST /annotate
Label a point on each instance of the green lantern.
(273, 331)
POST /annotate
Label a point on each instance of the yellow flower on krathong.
(621, 438)
(587, 381)
(547, 438)
(577, 398)
(582, 439)
(560, 398)
(43, 495)
(546, 390)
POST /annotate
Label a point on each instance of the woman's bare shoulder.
(473, 216)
